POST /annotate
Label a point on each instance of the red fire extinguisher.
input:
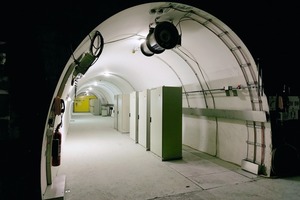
(56, 147)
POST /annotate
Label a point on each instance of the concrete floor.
(101, 163)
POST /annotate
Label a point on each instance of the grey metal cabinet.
(166, 122)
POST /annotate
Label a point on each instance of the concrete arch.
(224, 110)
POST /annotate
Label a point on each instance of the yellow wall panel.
(82, 103)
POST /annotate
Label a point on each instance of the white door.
(144, 119)
(156, 121)
(133, 116)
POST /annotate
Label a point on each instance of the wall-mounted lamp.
(163, 36)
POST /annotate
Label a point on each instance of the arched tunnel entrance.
(223, 111)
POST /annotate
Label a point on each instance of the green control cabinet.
(166, 122)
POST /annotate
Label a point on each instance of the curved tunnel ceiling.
(210, 55)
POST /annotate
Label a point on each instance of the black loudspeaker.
(163, 36)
